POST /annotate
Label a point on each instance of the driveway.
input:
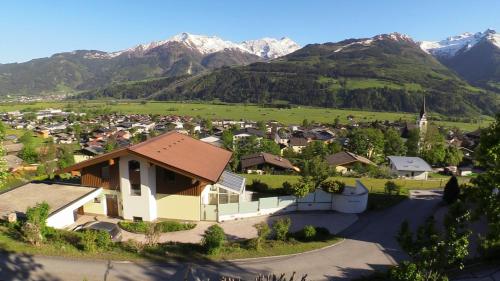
(370, 245)
(244, 228)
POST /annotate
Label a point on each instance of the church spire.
(422, 109)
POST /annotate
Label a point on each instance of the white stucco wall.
(143, 206)
(352, 200)
(66, 216)
(407, 174)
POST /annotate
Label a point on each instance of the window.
(105, 173)
(134, 172)
(97, 200)
(136, 219)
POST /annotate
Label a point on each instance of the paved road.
(370, 245)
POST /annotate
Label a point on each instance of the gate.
(209, 212)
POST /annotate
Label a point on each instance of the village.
(149, 183)
(87, 136)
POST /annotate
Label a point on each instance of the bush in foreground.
(213, 239)
(281, 228)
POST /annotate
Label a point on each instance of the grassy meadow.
(240, 111)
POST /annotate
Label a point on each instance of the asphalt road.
(369, 245)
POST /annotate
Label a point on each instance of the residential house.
(345, 161)
(297, 144)
(213, 140)
(409, 167)
(263, 162)
(165, 177)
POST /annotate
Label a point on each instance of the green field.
(239, 111)
(374, 185)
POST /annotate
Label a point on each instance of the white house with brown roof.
(163, 177)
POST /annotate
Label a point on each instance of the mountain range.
(458, 75)
(182, 54)
(474, 56)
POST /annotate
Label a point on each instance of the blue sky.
(33, 29)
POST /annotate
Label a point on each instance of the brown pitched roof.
(173, 151)
(262, 158)
(344, 157)
(298, 142)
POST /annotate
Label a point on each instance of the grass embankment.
(240, 111)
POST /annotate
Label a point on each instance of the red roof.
(173, 151)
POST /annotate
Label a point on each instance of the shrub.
(308, 233)
(33, 228)
(103, 240)
(451, 190)
(333, 186)
(163, 226)
(322, 233)
(263, 232)
(153, 232)
(259, 186)
(133, 245)
(303, 187)
(171, 226)
(213, 239)
(281, 228)
(88, 240)
(392, 187)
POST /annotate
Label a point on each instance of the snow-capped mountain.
(265, 48)
(451, 46)
(270, 48)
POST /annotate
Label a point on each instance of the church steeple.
(422, 109)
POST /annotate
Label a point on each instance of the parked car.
(112, 229)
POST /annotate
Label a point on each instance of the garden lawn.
(374, 185)
(238, 250)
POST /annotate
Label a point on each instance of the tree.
(111, 144)
(333, 186)
(303, 187)
(486, 185)
(36, 220)
(317, 170)
(270, 146)
(28, 153)
(261, 126)
(412, 142)
(227, 140)
(367, 142)
(453, 156)
(433, 148)
(391, 187)
(207, 125)
(3, 130)
(451, 190)
(263, 232)
(4, 173)
(66, 156)
(394, 145)
(432, 253)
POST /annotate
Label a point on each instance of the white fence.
(354, 199)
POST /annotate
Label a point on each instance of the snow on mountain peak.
(450, 46)
(270, 48)
(267, 48)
